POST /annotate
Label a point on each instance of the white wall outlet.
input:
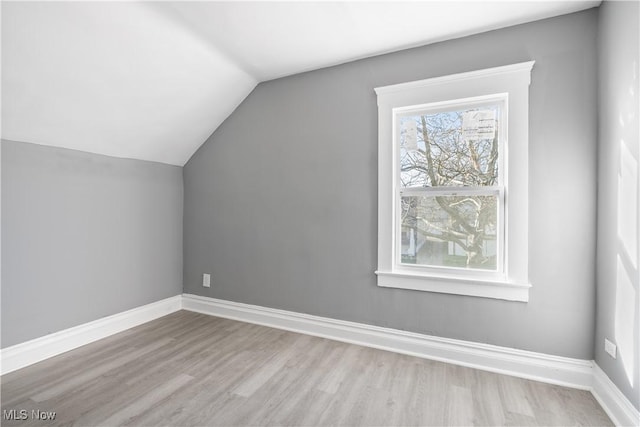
(206, 280)
(610, 348)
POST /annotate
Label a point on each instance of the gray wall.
(84, 236)
(618, 278)
(280, 202)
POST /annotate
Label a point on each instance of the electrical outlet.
(206, 280)
(610, 348)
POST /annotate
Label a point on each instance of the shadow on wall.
(627, 318)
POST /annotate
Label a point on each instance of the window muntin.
(449, 186)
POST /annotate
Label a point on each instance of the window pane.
(449, 231)
(450, 148)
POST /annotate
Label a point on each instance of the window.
(453, 184)
(450, 186)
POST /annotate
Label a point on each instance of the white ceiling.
(152, 80)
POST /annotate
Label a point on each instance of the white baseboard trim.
(36, 350)
(564, 371)
(614, 403)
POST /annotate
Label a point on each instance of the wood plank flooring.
(189, 369)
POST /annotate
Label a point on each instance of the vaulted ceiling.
(152, 80)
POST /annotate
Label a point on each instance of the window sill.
(497, 289)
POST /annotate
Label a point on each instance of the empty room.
(349, 213)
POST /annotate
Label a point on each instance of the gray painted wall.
(618, 279)
(280, 202)
(84, 236)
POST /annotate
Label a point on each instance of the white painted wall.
(618, 260)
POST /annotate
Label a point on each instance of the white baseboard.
(36, 350)
(574, 373)
(615, 404)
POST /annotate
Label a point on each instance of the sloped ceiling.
(152, 80)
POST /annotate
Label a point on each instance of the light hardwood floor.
(190, 369)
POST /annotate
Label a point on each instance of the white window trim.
(513, 282)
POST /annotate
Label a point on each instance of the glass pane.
(450, 148)
(449, 231)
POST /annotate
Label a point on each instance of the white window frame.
(510, 281)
